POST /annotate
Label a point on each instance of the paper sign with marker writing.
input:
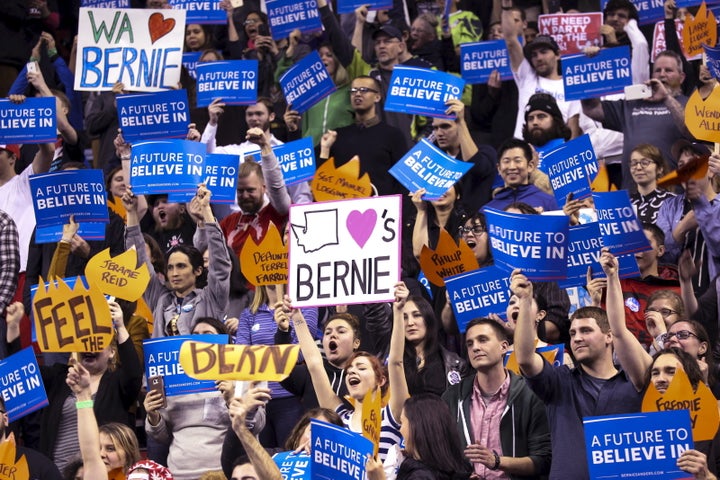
(265, 263)
(162, 357)
(339, 183)
(659, 45)
(478, 293)
(479, 59)
(337, 453)
(449, 258)
(166, 166)
(572, 31)
(142, 48)
(235, 81)
(571, 168)
(218, 171)
(426, 166)
(344, 252)
(19, 468)
(649, 11)
(21, 384)
(307, 82)
(206, 361)
(297, 160)
(58, 195)
(701, 116)
(620, 229)
(71, 320)
(293, 466)
(699, 30)
(201, 11)
(637, 445)
(285, 16)
(118, 276)
(606, 73)
(349, 6)
(534, 244)
(148, 116)
(372, 418)
(32, 121)
(421, 91)
(86, 231)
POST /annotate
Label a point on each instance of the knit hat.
(155, 471)
(14, 149)
(543, 102)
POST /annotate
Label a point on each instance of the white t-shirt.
(16, 201)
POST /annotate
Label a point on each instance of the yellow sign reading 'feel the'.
(71, 320)
(211, 361)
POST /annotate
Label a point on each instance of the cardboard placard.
(207, 361)
(33, 121)
(265, 263)
(340, 183)
(448, 259)
(118, 276)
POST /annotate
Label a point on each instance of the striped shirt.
(389, 431)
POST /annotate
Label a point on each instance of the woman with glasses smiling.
(647, 165)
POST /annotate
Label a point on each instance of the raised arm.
(530, 362)
(396, 368)
(511, 30)
(420, 227)
(264, 465)
(633, 357)
(274, 181)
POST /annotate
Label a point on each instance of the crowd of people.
(621, 335)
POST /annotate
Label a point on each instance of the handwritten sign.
(332, 183)
(659, 44)
(265, 263)
(235, 81)
(118, 276)
(206, 361)
(166, 166)
(479, 59)
(426, 166)
(293, 466)
(201, 11)
(637, 444)
(571, 168)
(572, 31)
(141, 48)
(421, 91)
(22, 387)
(619, 227)
(349, 6)
(606, 73)
(33, 121)
(148, 116)
(699, 30)
(285, 16)
(307, 82)
(702, 117)
(162, 358)
(76, 320)
(9, 468)
(345, 251)
(59, 195)
(448, 259)
(477, 294)
(338, 453)
(536, 245)
(371, 418)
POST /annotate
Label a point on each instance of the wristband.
(125, 157)
(84, 404)
(52, 53)
(497, 461)
(34, 59)
(507, 8)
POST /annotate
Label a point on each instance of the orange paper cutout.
(115, 205)
(449, 258)
(159, 26)
(332, 183)
(602, 181)
(702, 117)
(699, 30)
(696, 169)
(118, 276)
(265, 263)
(549, 355)
(679, 395)
(371, 418)
(9, 468)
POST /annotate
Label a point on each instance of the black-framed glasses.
(476, 229)
(665, 312)
(362, 90)
(680, 334)
(644, 163)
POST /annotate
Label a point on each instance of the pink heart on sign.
(361, 225)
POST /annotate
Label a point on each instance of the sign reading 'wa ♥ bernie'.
(346, 251)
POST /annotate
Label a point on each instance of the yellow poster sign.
(331, 183)
(265, 263)
(449, 258)
(211, 361)
(698, 30)
(9, 468)
(71, 320)
(118, 276)
(701, 403)
(702, 117)
(548, 352)
(371, 418)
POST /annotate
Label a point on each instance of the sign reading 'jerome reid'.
(344, 252)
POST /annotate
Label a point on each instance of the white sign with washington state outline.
(344, 252)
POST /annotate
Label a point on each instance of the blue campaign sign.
(478, 293)
(235, 81)
(287, 15)
(649, 11)
(200, 11)
(421, 91)
(293, 466)
(167, 166)
(712, 54)
(22, 387)
(479, 59)
(620, 229)
(603, 74)
(219, 173)
(349, 6)
(190, 61)
(583, 251)
(571, 168)
(86, 231)
(297, 160)
(33, 121)
(637, 445)
(307, 82)
(146, 116)
(58, 195)
(105, 3)
(162, 358)
(426, 166)
(338, 453)
(535, 245)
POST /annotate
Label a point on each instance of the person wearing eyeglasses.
(647, 165)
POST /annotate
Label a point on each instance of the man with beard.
(544, 128)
